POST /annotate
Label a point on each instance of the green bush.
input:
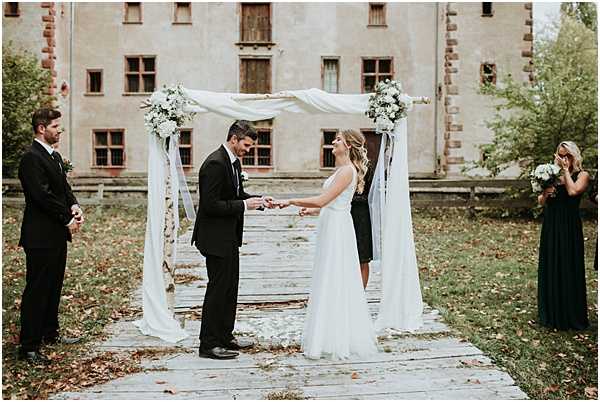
(560, 104)
(23, 84)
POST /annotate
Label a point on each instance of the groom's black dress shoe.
(61, 340)
(34, 357)
(217, 353)
(238, 344)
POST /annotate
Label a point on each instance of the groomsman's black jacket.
(48, 199)
(220, 218)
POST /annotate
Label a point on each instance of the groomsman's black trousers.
(220, 300)
(41, 297)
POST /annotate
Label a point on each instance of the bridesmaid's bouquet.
(544, 176)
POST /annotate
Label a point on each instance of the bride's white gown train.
(338, 324)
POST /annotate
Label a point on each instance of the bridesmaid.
(562, 302)
(362, 227)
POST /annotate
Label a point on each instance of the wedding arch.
(401, 302)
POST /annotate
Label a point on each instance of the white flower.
(166, 128)
(536, 187)
(245, 175)
(158, 98)
(388, 99)
(545, 176)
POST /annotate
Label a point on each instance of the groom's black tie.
(237, 167)
(56, 158)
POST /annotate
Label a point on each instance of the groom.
(218, 235)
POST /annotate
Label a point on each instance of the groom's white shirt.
(51, 151)
(233, 158)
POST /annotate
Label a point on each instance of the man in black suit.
(218, 235)
(51, 216)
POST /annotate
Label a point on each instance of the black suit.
(218, 235)
(44, 236)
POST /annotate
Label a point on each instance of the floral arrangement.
(387, 105)
(68, 165)
(544, 176)
(166, 111)
(245, 176)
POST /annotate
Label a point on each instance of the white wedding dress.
(338, 324)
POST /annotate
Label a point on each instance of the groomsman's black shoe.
(238, 344)
(34, 357)
(217, 353)
(61, 340)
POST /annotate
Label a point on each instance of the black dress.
(593, 193)
(362, 221)
(562, 302)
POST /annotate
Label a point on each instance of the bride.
(338, 323)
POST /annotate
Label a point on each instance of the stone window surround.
(483, 76)
(88, 91)
(125, 72)
(8, 12)
(109, 146)
(256, 57)
(325, 146)
(175, 6)
(187, 146)
(376, 74)
(323, 60)
(255, 165)
(371, 24)
(126, 13)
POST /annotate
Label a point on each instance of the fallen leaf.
(355, 376)
(473, 381)
(160, 382)
(591, 392)
(552, 388)
(519, 333)
(472, 362)
(499, 336)
(171, 391)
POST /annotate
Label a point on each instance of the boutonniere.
(68, 165)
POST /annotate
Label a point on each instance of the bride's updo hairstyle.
(358, 155)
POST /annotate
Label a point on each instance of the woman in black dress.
(562, 302)
(362, 227)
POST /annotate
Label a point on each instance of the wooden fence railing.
(424, 192)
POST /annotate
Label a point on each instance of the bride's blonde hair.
(575, 153)
(358, 155)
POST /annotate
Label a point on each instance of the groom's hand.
(268, 202)
(254, 202)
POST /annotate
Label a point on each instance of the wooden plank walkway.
(275, 269)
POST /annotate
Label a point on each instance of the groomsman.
(51, 216)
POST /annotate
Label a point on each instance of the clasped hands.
(78, 219)
(265, 202)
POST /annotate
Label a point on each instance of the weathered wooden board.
(275, 275)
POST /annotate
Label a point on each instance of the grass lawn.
(104, 265)
(481, 274)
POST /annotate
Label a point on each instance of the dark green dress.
(562, 302)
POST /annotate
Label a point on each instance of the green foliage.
(23, 85)
(561, 104)
(584, 12)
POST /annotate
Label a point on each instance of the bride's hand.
(308, 211)
(282, 203)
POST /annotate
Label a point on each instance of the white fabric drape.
(157, 319)
(401, 304)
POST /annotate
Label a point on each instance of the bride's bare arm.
(342, 179)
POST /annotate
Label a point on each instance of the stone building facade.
(106, 58)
